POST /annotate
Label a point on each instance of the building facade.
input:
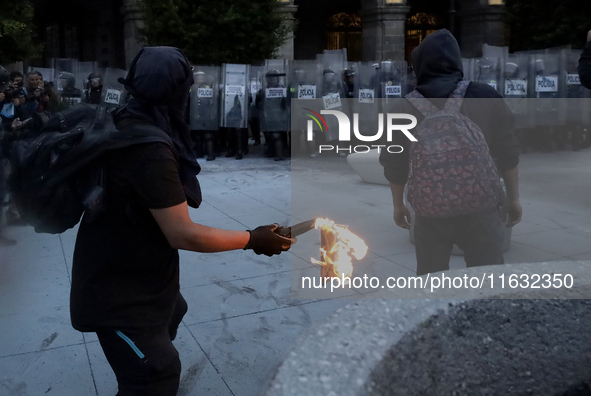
(109, 31)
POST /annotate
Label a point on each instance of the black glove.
(263, 240)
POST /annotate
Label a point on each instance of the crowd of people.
(125, 272)
(26, 103)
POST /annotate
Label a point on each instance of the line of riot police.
(227, 102)
(543, 90)
(75, 82)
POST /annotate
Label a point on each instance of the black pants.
(479, 235)
(255, 130)
(145, 364)
(237, 141)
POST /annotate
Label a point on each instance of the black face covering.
(159, 80)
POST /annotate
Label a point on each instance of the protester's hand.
(512, 211)
(402, 216)
(589, 35)
(263, 240)
(17, 123)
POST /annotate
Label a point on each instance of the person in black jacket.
(125, 274)
(438, 66)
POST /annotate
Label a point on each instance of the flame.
(338, 244)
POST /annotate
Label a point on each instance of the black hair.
(15, 74)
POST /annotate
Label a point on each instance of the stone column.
(287, 10)
(383, 31)
(132, 22)
(481, 23)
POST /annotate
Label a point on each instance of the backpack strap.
(421, 103)
(454, 103)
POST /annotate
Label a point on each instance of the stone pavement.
(244, 315)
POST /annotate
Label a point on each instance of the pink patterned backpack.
(451, 170)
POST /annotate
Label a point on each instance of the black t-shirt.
(125, 274)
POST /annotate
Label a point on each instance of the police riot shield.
(364, 104)
(113, 90)
(274, 104)
(335, 61)
(392, 79)
(349, 79)
(544, 76)
(66, 84)
(468, 68)
(304, 79)
(365, 83)
(69, 65)
(515, 82)
(254, 89)
(64, 65)
(204, 99)
(487, 70)
(332, 90)
(493, 51)
(112, 94)
(334, 58)
(304, 86)
(82, 75)
(234, 103)
(577, 102)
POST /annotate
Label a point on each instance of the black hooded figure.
(125, 273)
(437, 63)
(159, 96)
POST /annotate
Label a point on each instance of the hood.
(437, 62)
(159, 80)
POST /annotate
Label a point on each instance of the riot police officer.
(204, 112)
(274, 113)
(70, 95)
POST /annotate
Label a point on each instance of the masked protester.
(125, 275)
(478, 232)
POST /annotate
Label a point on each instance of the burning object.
(338, 247)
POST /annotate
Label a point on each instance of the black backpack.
(56, 176)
